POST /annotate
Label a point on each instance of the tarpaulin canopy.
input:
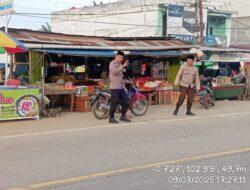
(156, 53)
(10, 45)
(2, 65)
(89, 53)
(111, 53)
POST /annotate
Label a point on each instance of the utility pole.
(144, 19)
(6, 23)
(196, 23)
(5, 10)
(7, 69)
(200, 6)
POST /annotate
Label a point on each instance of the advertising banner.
(230, 57)
(6, 6)
(19, 104)
(181, 22)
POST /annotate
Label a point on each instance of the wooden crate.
(82, 104)
(175, 97)
(163, 97)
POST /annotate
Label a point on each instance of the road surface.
(158, 151)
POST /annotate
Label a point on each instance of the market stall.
(230, 91)
(65, 76)
(228, 73)
(16, 102)
(55, 61)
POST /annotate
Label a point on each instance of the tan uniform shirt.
(188, 76)
(116, 75)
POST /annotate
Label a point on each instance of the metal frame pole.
(201, 22)
(6, 54)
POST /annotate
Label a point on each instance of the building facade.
(240, 21)
(140, 18)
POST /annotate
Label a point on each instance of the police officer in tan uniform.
(187, 79)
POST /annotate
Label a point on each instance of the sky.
(42, 6)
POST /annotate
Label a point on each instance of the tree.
(46, 27)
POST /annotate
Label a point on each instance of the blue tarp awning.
(111, 53)
(95, 53)
(156, 53)
(2, 65)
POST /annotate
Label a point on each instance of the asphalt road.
(226, 173)
(123, 157)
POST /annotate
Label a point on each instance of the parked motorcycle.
(101, 102)
(206, 93)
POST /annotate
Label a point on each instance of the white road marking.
(122, 124)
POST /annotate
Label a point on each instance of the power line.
(240, 23)
(32, 8)
(124, 24)
(98, 22)
(83, 14)
(127, 29)
(90, 15)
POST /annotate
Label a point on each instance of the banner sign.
(175, 11)
(6, 6)
(19, 104)
(181, 22)
(185, 38)
(230, 57)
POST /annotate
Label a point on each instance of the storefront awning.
(110, 53)
(87, 53)
(2, 65)
(157, 53)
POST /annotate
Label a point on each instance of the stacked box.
(227, 80)
(82, 104)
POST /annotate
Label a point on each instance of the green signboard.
(19, 104)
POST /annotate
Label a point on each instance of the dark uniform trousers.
(118, 96)
(186, 92)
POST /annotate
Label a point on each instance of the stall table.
(150, 94)
(71, 92)
(229, 91)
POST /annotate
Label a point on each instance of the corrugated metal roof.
(33, 38)
(241, 46)
(223, 49)
(158, 53)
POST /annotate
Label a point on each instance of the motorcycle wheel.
(139, 107)
(99, 112)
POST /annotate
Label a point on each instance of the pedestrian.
(187, 79)
(118, 93)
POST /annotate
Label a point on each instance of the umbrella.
(10, 45)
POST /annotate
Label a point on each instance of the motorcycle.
(206, 94)
(100, 103)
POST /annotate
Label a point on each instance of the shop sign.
(4, 100)
(6, 6)
(210, 41)
(185, 38)
(175, 10)
(181, 22)
(230, 57)
(19, 104)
